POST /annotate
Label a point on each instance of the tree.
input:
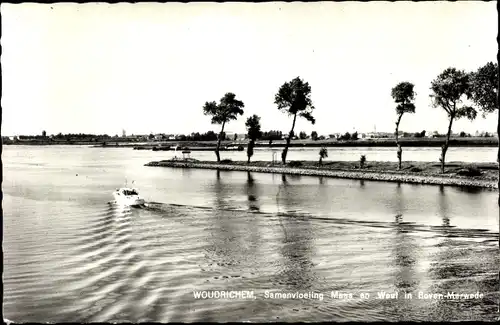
(323, 153)
(484, 88)
(210, 136)
(447, 92)
(253, 133)
(484, 93)
(294, 98)
(235, 137)
(404, 96)
(346, 136)
(302, 135)
(228, 109)
(362, 161)
(44, 134)
(314, 135)
(354, 136)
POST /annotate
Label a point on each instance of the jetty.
(481, 175)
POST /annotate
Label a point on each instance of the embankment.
(422, 176)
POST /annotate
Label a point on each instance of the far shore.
(298, 143)
(233, 145)
(479, 175)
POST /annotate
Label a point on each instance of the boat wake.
(117, 204)
(397, 222)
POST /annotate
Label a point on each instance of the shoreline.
(404, 176)
(378, 142)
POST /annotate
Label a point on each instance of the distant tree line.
(348, 136)
(196, 136)
(67, 137)
(271, 135)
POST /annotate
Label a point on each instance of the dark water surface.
(69, 255)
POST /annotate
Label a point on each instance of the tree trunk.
(217, 154)
(285, 151)
(400, 151)
(320, 161)
(445, 147)
(498, 157)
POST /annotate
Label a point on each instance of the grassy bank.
(484, 175)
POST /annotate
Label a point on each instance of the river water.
(70, 255)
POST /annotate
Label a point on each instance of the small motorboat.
(128, 197)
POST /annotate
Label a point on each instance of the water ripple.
(107, 264)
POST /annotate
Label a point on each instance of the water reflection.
(443, 212)
(297, 244)
(471, 190)
(223, 238)
(283, 179)
(295, 177)
(405, 256)
(186, 172)
(234, 237)
(252, 193)
(456, 267)
(443, 265)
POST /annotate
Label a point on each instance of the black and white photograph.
(250, 162)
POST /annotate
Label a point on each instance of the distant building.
(379, 135)
(137, 137)
(159, 136)
(231, 136)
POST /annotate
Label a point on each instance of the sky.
(150, 67)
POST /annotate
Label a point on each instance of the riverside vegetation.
(458, 93)
(453, 90)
